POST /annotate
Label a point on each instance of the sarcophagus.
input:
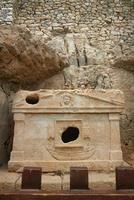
(59, 129)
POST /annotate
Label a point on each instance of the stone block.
(31, 178)
(67, 128)
(79, 178)
(124, 178)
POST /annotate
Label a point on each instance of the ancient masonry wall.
(6, 12)
(107, 24)
(77, 15)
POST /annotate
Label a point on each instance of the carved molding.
(114, 117)
(68, 98)
(81, 149)
(72, 153)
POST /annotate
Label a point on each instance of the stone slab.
(10, 181)
(96, 181)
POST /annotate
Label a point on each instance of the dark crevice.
(65, 45)
(77, 56)
(85, 56)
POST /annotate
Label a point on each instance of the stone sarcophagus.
(56, 129)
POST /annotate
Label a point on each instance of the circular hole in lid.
(32, 99)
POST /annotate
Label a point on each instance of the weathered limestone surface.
(97, 181)
(10, 182)
(73, 128)
(126, 62)
(25, 59)
(24, 62)
(79, 50)
(95, 67)
(108, 25)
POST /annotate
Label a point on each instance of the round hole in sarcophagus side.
(70, 134)
(32, 99)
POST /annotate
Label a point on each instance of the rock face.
(79, 51)
(26, 60)
(127, 63)
(4, 127)
(91, 67)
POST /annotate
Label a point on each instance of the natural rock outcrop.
(92, 67)
(79, 50)
(4, 127)
(126, 62)
(25, 59)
